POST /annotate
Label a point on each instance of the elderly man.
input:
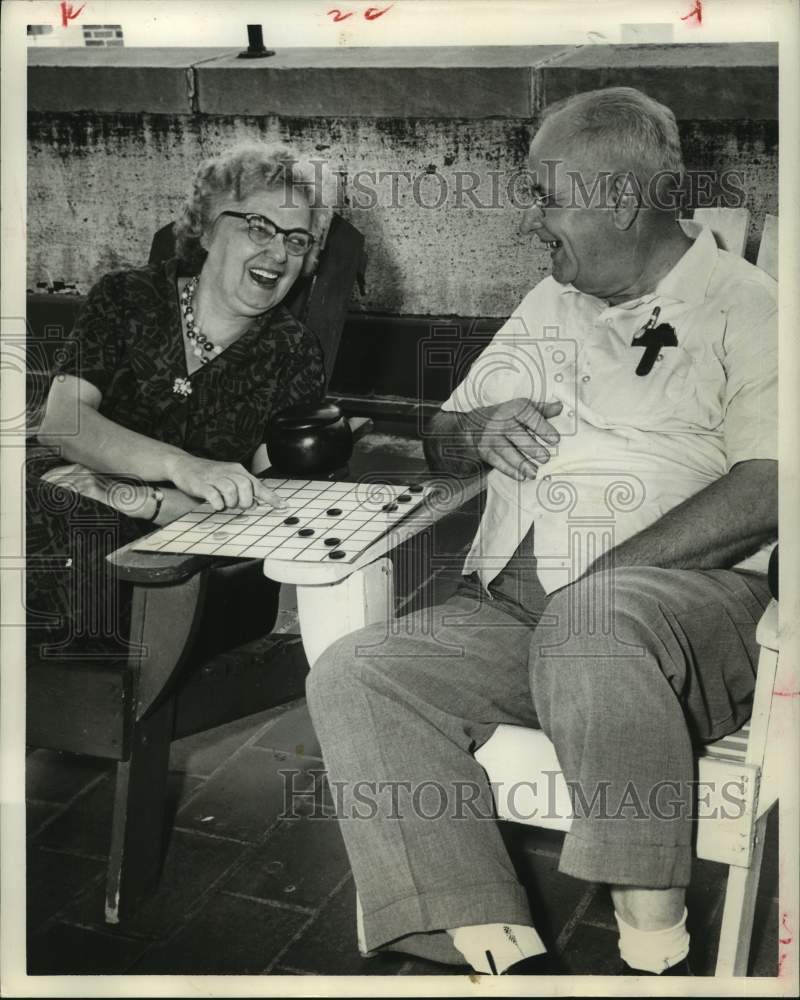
(638, 383)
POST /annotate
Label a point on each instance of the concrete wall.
(115, 135)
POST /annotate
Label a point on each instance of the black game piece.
(389, 507)
(416, 488)
(333, 512)
(403, 498)
(338, 554)
(332, 541)
(305, 532)
(292, 520)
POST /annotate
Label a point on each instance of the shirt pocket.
(681, 390)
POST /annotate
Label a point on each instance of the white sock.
(653, 951)
(362, 944)
(501, 945)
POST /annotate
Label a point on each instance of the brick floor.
(247, 890)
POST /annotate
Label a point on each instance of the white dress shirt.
(632, 447)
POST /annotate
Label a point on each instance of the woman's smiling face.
(249, 279)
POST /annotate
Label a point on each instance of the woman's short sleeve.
(91, 351)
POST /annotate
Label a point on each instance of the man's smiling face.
(576, 221)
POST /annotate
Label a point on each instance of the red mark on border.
(68, 12)
(372, 13)
(785, 694)
(784, 939)
(696, 11)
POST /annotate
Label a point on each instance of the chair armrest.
(446, 500)
(767, 629)
(360, 426)
(157, 567)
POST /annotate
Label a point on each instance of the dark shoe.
(679, 969)
(536, 965)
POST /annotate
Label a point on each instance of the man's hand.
(514, 437)
(222, 484)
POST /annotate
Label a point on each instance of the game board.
(322, 521)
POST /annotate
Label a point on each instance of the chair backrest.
(729, 226)
(768, 250)
(321, 300)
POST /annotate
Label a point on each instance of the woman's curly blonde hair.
(238, 172)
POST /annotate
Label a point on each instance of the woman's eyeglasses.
(262, 231)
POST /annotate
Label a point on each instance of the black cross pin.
(652, 338)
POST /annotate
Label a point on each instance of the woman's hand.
(222, 484)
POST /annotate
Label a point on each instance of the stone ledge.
(369, 92)
(722, 82)
(114, 80)
(699, 82)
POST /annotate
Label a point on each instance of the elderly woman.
(173, 374)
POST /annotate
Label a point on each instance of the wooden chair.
(334, 600)
(184, 610)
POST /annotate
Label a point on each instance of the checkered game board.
(322, 520)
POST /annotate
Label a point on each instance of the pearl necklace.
(194, 334)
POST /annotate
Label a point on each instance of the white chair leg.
(739, 910)
(330, 611)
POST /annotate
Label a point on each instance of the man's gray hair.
(625, 126)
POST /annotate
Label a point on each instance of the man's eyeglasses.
(543, 201)
(262, 231)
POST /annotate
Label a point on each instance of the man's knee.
(348, 664)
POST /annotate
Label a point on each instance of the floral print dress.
(128, 342)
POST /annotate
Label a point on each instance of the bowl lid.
(306, 416)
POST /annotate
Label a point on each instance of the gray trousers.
(624, 671)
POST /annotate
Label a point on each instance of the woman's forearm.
(176, 504)
(139, 500)
(73, 425)
(134, 499)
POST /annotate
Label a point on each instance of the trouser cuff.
(650, 866)
(423, 914)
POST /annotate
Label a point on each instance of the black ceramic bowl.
(309, 440)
